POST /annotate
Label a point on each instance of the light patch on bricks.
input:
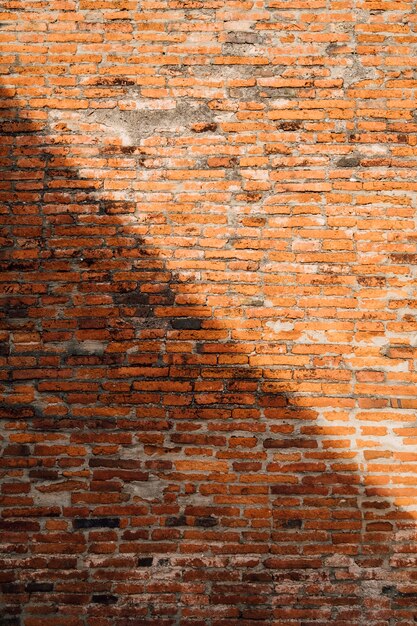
(375, 149)
(132, 452)
(92, 346)
(51, 498)
(138, 124)
(393, 441)
(401, 366)
(314, 336)
(376, 340)
(279, 327)
(156, 105)
(124, 135)
(152, 489)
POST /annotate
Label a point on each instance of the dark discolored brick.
(39, 587)
(206, 522)
(292, 523)
(104, 598)
(349, 161)
(186, 323)
(145, 561)
(99, 522)
(181, 520)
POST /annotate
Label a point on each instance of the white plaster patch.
(159, 105)
(152, 489)
(92, 346)
(132, 452)
(279, 327)
(375, 149)
(392, 442)
(315, 336)
(52, 498)
(378, 340)
(402, 366)
(238, 26)
(280, 103)
(124, 135)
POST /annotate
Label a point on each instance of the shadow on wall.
(146, 465)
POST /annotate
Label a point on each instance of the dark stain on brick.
(258, 577)
(144, 311)
(404, 258)
(4, 349)
(372, 281)
(116, 207)
(123, 150)
(118, 463)
(39, 587)
(206, 522)
(17, 412)
(290, 125)
(91, 323)
(19, 525)
(186, 323)
(116, 81)
(389, 590)
(10, 621)
(334, 48)
(251, 196)
(104, 598)
(15, 311)
(292, 523)
(145, 561)
(204, 127)
(10, 588)
(100, 522)
(19, 266)
(64, 173)
(17, 449)
(128, 149)
(348, 161)
(132, 297)
(172, 521)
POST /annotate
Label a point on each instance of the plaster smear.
(279, 327)
(133, 126)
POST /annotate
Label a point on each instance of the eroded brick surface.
(208, 331)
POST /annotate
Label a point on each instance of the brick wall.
(208, 323)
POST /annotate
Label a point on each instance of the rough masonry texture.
(209, 314)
